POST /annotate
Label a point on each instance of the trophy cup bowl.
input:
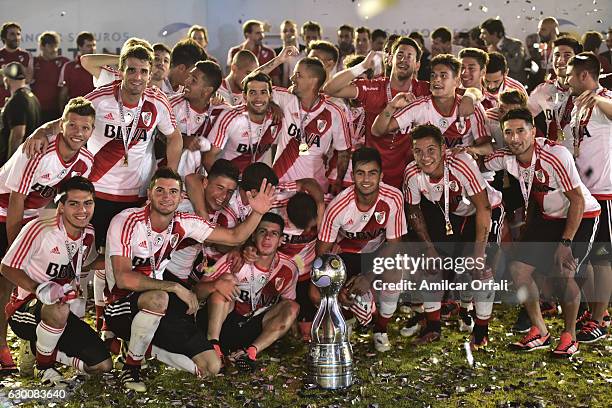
(331, 355)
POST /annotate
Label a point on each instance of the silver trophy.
(331, 355)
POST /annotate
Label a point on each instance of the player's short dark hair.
(136, 51)
(256, 76)
(212, 73)
(428, 130)
(311, 26)
(195, 28)
(407, 41)
(479, 55)
(569, 42)
(7, 26)
(48, 37)
(415, 35)
(365, 155)
(315, 66)
(363, 29)
(80, 106)
(187, 52)
(253, 175)
(347, 27)
(494, 26)
(248, 26)
(520, 113)
(443, 33)
(162, 47)
(224, 168)
(165, 173)
(84, 36)
(513, 97)
(301, 209)
(378, 33)
(586, 61)
(274, 219)
(591, 41)
(447, 60)
(327, 47)
(497, 62)
(75, 183)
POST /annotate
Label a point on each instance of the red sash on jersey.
(113, 151)
(263, 146)
(291, 152)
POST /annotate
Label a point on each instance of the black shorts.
(78, 340)
(602, 248)
(237, 332)
(539, 241)
(177, 332)
(103, 215)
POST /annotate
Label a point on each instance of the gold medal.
(125, 160)
(303, 149)
(560, 135)
(449, 228)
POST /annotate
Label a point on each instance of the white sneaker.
(413, 326)
(381, 342)
(131, 380)
(27, 359)
(466, 324)
(350, 325)
(52, 377)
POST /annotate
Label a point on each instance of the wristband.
(358, 69)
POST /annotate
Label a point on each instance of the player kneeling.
(45, 262)
(265, 306)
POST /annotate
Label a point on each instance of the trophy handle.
(316, 324)
(337, 318)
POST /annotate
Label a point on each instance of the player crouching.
(265, 306)
(45, 262)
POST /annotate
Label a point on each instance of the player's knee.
(216, 298)
(293, 310)
(210, 366)
(55, 315)
(154, 300)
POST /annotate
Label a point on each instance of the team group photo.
(253, 203)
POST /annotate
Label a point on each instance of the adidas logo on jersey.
(143, 244)
(55, 251)
(109, 116)
(46, 176)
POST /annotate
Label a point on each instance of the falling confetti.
(468, 353)
(164, 33)
(484, 8)
(63, 13)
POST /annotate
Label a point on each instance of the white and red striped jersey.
(594, 132)
(192, 122)
(457, 131)
(508, 84)
(183, 260)
(243, 141)
(356, 118)
(555, 173)
(257, 285)
(128, 236)
(556, 103)
(325, 125)
(358, 231)
(298, 244)
(108, 75)
(39, 178)
(41, 251)
(113, 180)
(465, 181)
(228, 96)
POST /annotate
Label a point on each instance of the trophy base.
(331, 365)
